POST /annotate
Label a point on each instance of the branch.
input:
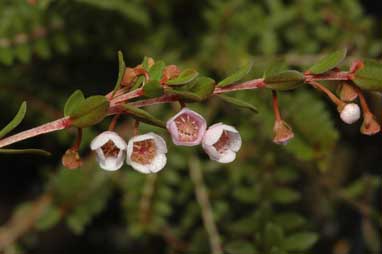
(121, 98)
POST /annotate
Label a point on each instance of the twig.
(204, 203)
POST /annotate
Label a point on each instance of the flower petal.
(104, 137)
(213, 134)
(158, 163)
(227, 157)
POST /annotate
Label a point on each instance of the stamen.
(110, 149)
(222, 144)
(144, 151)
(187, 127)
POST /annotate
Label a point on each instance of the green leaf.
(90, 112)
(239, 247)
(143, 116)
(49, 218)
(121, 72)
(15, 121)
(290, 220)
(369, 77)
(328, 62)
(275, 68)
(153, 88)
(184, 77)
(75, 99)
(156, 70)
(199, 90)
(285, 80)
(284, 195)
(25, 151)
(239, 103)
(235, 77)
(300, 241)
(273, 235)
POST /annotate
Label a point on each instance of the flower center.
(188, 127)
(110, 150)
(222, 144)
(144, 151)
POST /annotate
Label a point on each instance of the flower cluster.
(147, 153)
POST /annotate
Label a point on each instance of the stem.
(77, 143)
(114, 122)
(56, 125)
(331, 96)
(362, 100)
(120, 98)
(204, 203)
(276, 108)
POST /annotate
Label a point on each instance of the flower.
(186, 128)
(221, 142)
(146, 153)
(350, 113)
(370, 126)
(282, 132)
(71, 159)
(110, 149)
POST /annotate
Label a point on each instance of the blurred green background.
(321, 193)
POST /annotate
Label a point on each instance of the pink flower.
(147, 153)
(186, 128)
(110, 149)
(221, 142)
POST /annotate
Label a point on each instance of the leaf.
(235, 77)
(25, 151)
(156, 70)
(290, 220)
(300, 241)
(49, 218)
(369, 77)
(328, 62)
(274, 68)
(199, 90)
(15, 121)
(121, 72)
(91, 111)
(285, 80)
(153, 88)
(239, 247)
(239, 103)
(73, 101)
(143, 116)
(284, 195)
(186, 76)
(273, 235)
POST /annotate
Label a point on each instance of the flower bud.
(170, 72)
(147, 153)
(370, 126)
(282, 132)
(71, 159)
(110, 150)
(350, 113)
(221, 142)
(186, 128)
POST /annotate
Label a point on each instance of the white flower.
(110, 150)
(147, 153)
(350, 113)
(221, 142)
(187, 128)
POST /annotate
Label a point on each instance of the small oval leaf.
(239, 103)
(152, 89)
(91, 111)
(15, 121)
(143, 116)
(73, 101)
(328, 62)
(369, 77)
(121, 72)
(235, 77)
(184, 77)
(156, 70)
(300, 241)
(25, 151)
(285, 80)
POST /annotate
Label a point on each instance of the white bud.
(350, 113)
